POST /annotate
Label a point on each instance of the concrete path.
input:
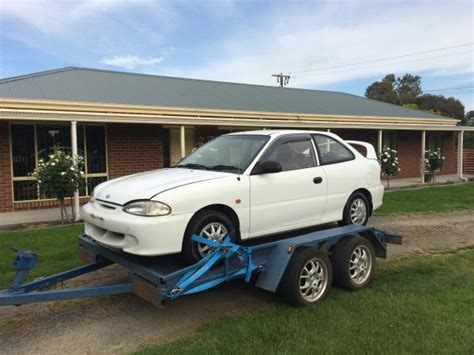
(19, 218)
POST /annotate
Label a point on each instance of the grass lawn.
(428, 199)
(419, 305)
(56, 248)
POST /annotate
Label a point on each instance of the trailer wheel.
(353, 260)
(307, 278)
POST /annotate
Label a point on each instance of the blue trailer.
(301, 268)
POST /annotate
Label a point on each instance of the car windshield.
(232, 153)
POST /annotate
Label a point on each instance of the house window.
(29, 143)
(433, 141)
(389, 139)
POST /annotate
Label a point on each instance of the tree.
(408, 88)
(469, 136)
(383, 90)
(406, 91)
(449, 107)
(469, 118)
(60, 176)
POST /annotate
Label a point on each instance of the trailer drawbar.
(301, 269)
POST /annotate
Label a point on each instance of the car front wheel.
(209, 224)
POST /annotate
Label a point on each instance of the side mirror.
(269, 167)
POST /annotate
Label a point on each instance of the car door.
(344, 172)
(295, 196)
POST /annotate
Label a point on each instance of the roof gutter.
(48, 116)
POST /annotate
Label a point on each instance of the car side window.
(331, 151)
(292, 154)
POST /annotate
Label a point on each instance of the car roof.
(279, 132)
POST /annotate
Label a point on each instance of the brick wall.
(369, 136)
(207, 131)
(449, 149)
(6, 203)
(33, 205)
(134, 148)
(468, 161)
(409, 153)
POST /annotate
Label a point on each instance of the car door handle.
(318, 180)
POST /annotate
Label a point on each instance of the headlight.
(147, 208)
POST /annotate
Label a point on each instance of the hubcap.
(360, 264)
(213, 231)
(358, 211)
(313, 280)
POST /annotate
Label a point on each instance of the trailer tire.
(299, 270)
(353, 261)
(191, 252)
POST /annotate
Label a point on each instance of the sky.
(327, 45)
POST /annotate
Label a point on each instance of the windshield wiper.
(193, 166)
(224, 167)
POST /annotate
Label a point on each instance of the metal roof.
(102, 86)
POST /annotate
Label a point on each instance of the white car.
(246, 185)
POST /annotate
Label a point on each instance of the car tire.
(203, 223)
(291, 287)
(356, 211)
(353, 261)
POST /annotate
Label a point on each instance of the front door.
(175, 143)
(293, 198)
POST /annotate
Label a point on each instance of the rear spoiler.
(369, 148)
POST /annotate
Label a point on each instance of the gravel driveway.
(125, 323)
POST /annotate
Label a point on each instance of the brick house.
(123, 123)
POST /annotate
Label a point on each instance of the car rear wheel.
(357, 210)
(209, 224)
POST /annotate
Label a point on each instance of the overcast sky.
(246, 41)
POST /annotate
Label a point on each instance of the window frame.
(434, 136)
(391, 131)
(336, 140)
(30, 178)
(283, 139)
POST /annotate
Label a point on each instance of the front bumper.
(147, 236)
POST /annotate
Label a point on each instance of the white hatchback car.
(245, 185)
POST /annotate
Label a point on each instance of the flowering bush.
(60, 176)
(389, 163)
(433, 160)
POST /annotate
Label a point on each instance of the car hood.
(144, 186)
